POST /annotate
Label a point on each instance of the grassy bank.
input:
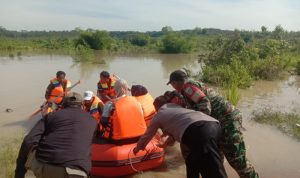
(8, 156)
(289, 123)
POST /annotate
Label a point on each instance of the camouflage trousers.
(233, 146)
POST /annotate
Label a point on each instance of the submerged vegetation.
(235, 61)
(232, 94)
(288, 123)
(239, 60)
(230, 59)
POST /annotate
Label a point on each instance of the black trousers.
(201, 139)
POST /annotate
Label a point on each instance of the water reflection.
(279, 95)
(151, 70)
(168, 62)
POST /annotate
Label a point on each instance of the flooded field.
(25, 78)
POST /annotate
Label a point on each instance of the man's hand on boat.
(135, 150)
(165, 140)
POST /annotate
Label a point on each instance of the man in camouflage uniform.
(201, 98)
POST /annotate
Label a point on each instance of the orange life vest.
(127, 120)
(147, 106)
(93, 110)
(58, 92)
(107, 88)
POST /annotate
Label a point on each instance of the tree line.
(230, 58)
(165, 41)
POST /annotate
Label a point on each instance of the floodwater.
(25, 78)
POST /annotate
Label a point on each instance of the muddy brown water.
(24, 80)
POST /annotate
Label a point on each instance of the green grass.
(288, 123)
(8, 156)
(232, 94)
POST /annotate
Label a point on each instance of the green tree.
(140, 39)
(223, 50)
(247, 37)
(197, 31)
(278, 32)
(167, 29)
(270, 48)
(176, 43)
(264, 29)
(98, 40)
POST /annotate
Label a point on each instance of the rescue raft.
(111, 160)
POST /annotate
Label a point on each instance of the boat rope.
(147, 154)
(130, 162)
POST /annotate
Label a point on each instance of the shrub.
(98, 40)
(176, 43)
(232, 61)
(140, 40)
(227, 75)
(286, 122)
(267, 69)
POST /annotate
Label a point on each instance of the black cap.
(138, 90)
(72, 98)
(177, 75)
(105, 74)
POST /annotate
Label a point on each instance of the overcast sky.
(149, 15)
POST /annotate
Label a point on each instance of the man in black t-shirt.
(62, 140)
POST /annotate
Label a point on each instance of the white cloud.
(147, 15)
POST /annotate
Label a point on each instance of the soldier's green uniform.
(230, 118)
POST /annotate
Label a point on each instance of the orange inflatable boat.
(111, 160)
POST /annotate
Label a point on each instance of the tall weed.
(232, 94)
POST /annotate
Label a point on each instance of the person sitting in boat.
(146, 100)
(93, 105)
(56, 90)
(122, 118)
(198, 134)
(105, 87)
